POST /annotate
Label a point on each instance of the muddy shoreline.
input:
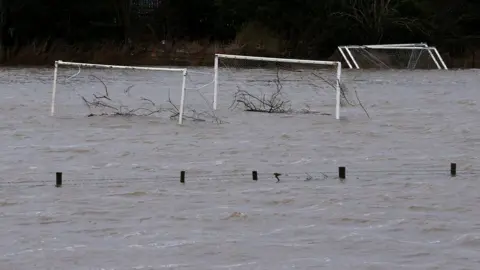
(151, 54)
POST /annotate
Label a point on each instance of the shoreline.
(181, 54)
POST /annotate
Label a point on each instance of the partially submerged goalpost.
(278, 85)
(307, 83)
(112, 101)
(392, 56)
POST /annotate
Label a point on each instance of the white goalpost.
(311, 84)
(118, 90)
(392, 56)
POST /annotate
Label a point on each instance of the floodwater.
(122, 206)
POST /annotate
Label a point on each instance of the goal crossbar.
(77, 64)
(352, 63)
(90, 65)
(272, 59)
(424, 45)
(336, 64)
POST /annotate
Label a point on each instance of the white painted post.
(434, 58)
(54, 89)
(337, 86)
(440, 58)
(353, 58)
(182, 98)
(340, 48)
(215, 83)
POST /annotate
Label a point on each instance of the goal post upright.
(338, 91)
(182, 98)
(54, 89)
(215, 83)
(58, 63)
(336, 64)
(435, 59)
(440, 58)
(340, 49)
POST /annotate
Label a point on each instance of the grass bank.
(253, 40)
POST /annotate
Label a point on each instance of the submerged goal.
(96, 89)
(392, 56)
(265, 84)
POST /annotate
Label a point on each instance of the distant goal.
(272, 85)
(85, 89)
(392, 56)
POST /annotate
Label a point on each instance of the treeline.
(300, 28)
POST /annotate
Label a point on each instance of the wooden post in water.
(342, 173)
(453, 169)
(58, 180)
(182, 177)
(254, 175)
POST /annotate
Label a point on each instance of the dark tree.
(305, 28)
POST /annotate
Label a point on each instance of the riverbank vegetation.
(189, 32)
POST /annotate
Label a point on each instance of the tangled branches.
(277, 102)
(193, 114)
(273, 103)
(104, 105)
(263, 103)
(344, 92)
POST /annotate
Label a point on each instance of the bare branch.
(127, 91)
(104, 86)
(267, 104)
(148, 100)
(343, 92)
(191, 113)
(105, 102)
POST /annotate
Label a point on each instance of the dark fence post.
(182, 177)
(341, 172)
(58, 179)
(453, 169)
(254, 175)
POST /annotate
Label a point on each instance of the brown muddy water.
(122, 206)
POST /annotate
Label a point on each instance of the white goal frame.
(336, 64)
(432, 51)
(80, 65)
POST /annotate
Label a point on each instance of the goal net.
(392, 56)
(278, 85)
(83, 89)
